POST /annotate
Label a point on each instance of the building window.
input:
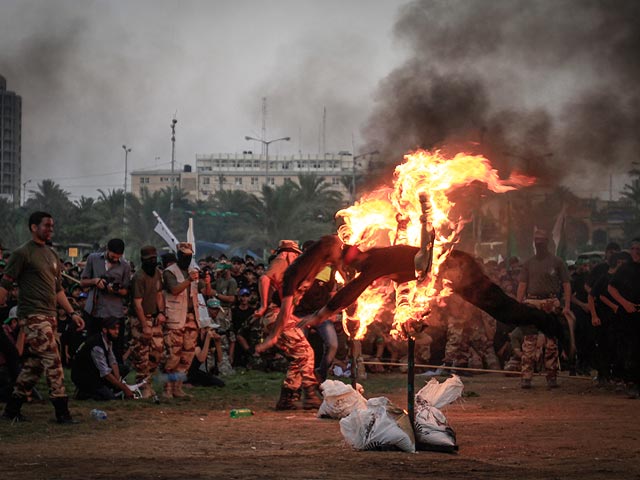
(238, 181)
(335, 181)
(256, 164)
(206, 180)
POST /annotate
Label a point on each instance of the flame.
(372, 222)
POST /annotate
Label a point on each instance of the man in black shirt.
(625, 289)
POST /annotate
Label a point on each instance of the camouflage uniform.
(43, 356)
(181, 346)
(550, 345)
(146, 352)
(295, 347)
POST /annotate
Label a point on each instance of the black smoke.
(548, 87)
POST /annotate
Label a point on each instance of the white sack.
(382, 426)
(340, 399)
(438, 394)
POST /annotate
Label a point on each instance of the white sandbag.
(381, 426)
(433, 431)
(340, 399)
(438, 394)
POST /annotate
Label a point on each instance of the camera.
(204, 271)
(110, 283)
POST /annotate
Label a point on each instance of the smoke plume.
(547, 87)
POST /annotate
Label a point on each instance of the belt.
(541, 297)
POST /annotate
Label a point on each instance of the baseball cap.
(214, 303)
(147, 252)
(13, 313)
(244, 291)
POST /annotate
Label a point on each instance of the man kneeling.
(95, 371)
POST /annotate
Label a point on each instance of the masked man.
(182, 319)
(146, 324)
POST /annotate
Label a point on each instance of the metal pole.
(124, 207)
(266, 152)
(173, 158)
(411, 379)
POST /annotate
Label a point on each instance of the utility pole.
(124, 208)
(173, 158)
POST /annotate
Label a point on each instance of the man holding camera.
(108, 275)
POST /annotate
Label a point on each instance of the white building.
(249, 172)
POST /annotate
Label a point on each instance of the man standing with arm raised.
(35, 267)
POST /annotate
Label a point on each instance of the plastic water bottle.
(240, 412)
(98, 414)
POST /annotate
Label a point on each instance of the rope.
(466, 369)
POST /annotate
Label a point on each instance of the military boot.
(178, 392)
(285, 402)
(312, 400)
(61, 405)
(12, 409)
(167, 391)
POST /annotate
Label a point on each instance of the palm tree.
(52, 198)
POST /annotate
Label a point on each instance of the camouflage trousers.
(180, 347)
(467, 340)
(296, 349)
(529, 356)
(41, 355)
(146, 353)
(530, 350)
(456, 350)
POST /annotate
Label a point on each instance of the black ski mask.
(149, 266)
(184, 260)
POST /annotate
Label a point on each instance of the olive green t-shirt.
(36, 270)
(147, 288)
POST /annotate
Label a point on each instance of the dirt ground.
(574, 432)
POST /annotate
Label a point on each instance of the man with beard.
(146, 325)
(108, 275)
(541, 279)
(95, 369)
(35, 267)
(181, 326)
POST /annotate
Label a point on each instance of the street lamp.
(124, 208)
(173, 158)
(24, 191)
(266, 144)
(353, 171)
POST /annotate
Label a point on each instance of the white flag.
(558, 227)
(191, 238)
(166, 234)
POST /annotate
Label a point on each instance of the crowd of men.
(183, 321)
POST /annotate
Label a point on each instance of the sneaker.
(525, 383)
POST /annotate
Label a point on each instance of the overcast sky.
(95, 75)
